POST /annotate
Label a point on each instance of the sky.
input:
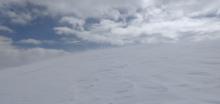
(40, 29)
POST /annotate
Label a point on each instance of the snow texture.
(142, 74)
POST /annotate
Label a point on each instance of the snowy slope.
(157, 74)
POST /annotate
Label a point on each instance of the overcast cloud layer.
(114, 22)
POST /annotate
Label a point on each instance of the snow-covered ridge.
(158, 74)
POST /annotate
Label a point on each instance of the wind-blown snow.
(157, 74)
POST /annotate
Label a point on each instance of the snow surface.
(142, 74)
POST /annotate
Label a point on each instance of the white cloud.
(36, 42)
(151, 21)
(31, 41)
(19, 18)
(11, 56)
(5, 29)
(138, 31)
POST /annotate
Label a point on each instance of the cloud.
(115, 22)
(4, 41)
(99, 8)
(5, 29)
(31, 41)
(19, 18)
(138, 31)
(158, 21)
(14, 56)
(21, 12)
(121, 22)
(85, 8)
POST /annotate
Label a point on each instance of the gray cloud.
(20, 11)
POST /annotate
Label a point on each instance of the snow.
(141, 74)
